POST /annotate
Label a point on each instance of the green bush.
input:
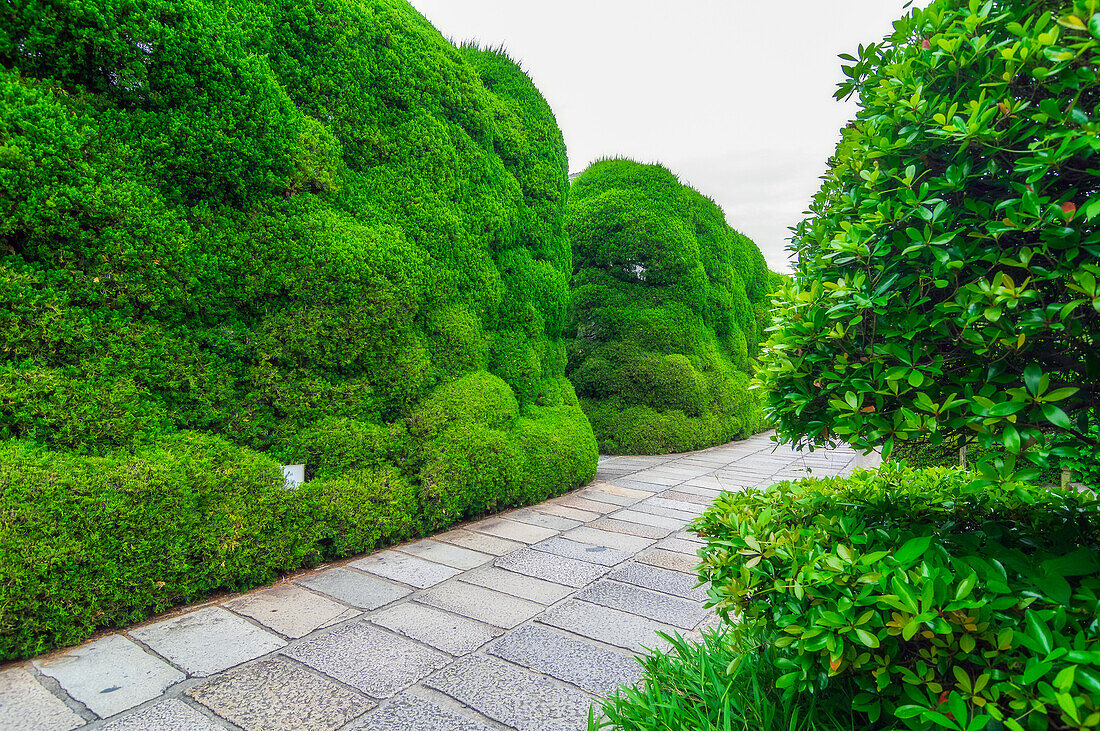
(948, 282)
(665, 313)
(320, 232)
(931, 599)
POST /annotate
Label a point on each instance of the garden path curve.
(518, 621)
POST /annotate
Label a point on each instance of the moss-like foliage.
(666, 312)
(318, 230)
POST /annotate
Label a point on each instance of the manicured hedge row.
(920, 597)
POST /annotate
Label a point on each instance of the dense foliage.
(666, 312)
(948, 283)
(317, 230)
(928, 597)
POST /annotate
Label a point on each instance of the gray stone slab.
(608, 538)
(546, 566)
(681, 545)
(601, 555)
(544, 519)
(580, 503)
(600, 496)
(509, 582)
(688, 497)
(207, 641)
(588, 665)
(513, 530)
(608, 625)
(658, 579)
(375, 661)
(25, 704)
(637, 486)
(110, 675)
(484, 605)
(407, 712)
(670, 560)
(671, 610)
(608, 488)
(653, 478)
(355, 588)
(513, 696)
(446, 554)
(277, 695)
(634, 516)
(290, 610)
(647, 506)
(565, 511)
(170, 715)
(442, 630)
(406, 569)
(631, 529)
(481, 542)
(690, 507)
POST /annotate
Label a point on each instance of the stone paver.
(355, 588)
(277, 695)
(25, 704)
(512, 623)
(170, 715)
(375, 661)
(407, 712)
(110, 675)
(587, 665)
(406, 569)
(513, 696)
(207, 641)
(484, 605)
(290, 610)
(442, 630)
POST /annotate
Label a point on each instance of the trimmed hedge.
(666, 312)
(319, 232)
(928, 599)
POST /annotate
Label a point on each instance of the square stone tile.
(608, 538)
(635, 516)
(110, 675)
(671, 610)
(354, 588)
(481, 542)
(446, 554)
(631, 529)
(170, 715)
(484, 605)
(406, 569)
(290, 610)
(601, 555)
(658, 579)
(207, 641)
(442, 630)
(608, 625)
(669, 560)
(407, 712)
(552, 568)
(513, 530)
(375, 661)
(564, 511)
(509, 582)
(277, 695)
(513, 696)
(544, 519)
(587, 665)
(25, 704)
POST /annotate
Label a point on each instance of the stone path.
(518, 621)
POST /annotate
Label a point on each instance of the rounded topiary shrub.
(320, 232)
(666, 312)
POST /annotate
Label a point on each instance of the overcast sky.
(734, 96)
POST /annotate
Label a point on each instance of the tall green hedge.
(319, 231)
(666, 312)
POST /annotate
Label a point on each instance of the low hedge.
(932, 601)
(88, 542)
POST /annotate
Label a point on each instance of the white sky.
(734, 96)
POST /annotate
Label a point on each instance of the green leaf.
(1037, 629)
(1072, 21)
(1094, 25)
(909, 711)
(1060, 393)
(867, 638)
(1056, 416)
(1032, 374)
(912, 549)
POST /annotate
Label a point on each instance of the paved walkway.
(518, 621)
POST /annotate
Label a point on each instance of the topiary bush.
(928, 598)
(948, 284)
(666, 312)
(319, 232)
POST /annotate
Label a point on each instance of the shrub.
(948, 283)
(932, 599)
(663, 315)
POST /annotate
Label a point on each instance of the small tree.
(948, 279)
